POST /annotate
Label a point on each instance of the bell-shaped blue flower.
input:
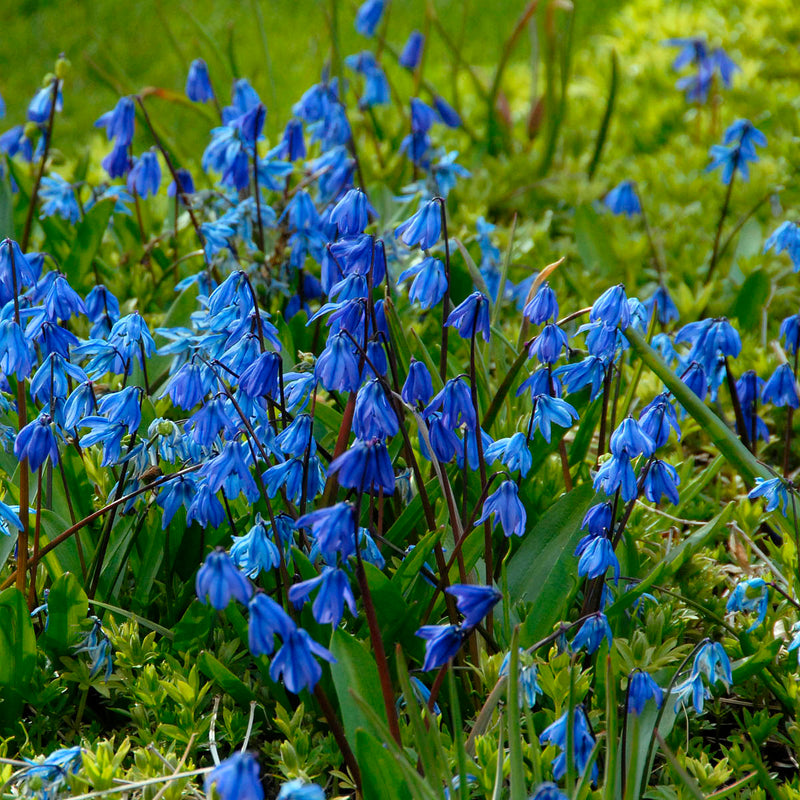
(255, 551)
(334, 592)
(513, 452)
(423, 228)
(750, 596)
(471, 317)
(592, 633)
(474, 602)
(622, 199)
(612, 308)
(145, 175)
(412, 51)
(368, 16)
(198, 83)
(296, 664)
(549, 410)
(661, 481)
(616, 473)
(506, 506)
(218, 581)
(266, 618)
(236, 778)
(430, 282)
(786, 237)
(36, 442)
(629, 441)
(781, 388)
(455, 403)
(366, 467)
(442, 642)
(418, 387)
(641, 688)
(119, 122)
(543, 306)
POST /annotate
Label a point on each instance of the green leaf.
(593, 242)
(86, 242)
(750, 300)
(67, 606)
(381, 775)
(6, 210)
(544, 565)
(216, 671)
(752, 665)
(17, 654)
(355, 673)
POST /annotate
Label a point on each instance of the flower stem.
(724, 213)
(446, 298)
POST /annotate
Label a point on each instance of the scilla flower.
(786, 237)
(471, 317)
(781, 388)
(218, 580)
(423, 228)
(36, 442)
(295, 662)
(774, 490)
(442, 644)
(236, 778)
(582, 742)
(592, 633)
(641, 688)
(750, 596)
(474, 602)
(622, 199)
(507, 508)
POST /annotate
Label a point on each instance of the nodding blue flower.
(662, 305)
(442, 642)
(198, 83)
(351, 213)
(366, 467)
(424, 227)
(589, 372)
(46, 778)
(249, 126)
(298, 437)
(547, 346)
(548, 410)
(36, 442)
(430, 282)
(59, 198)
(292, 145)
(42, 103)
(661, 480)
(713, 662)
(603, 341)
(582, 742)
(374, 417)
(656, 419)
(592, 633)
(469, 448)
(266, 619)
(289, 477)
(629, 441)
(236, 778)
(412, 51)
(547, 791)
(98, 646)
(14, 142)
(298, 789)
(255, 551)
(474, 602)
(596, 555)
(188, 385)
(15, 270)
(334, 592)
(444, 442)
(185, 185)
(173, 494)
(622, 199)
(229, 470)
(107, 433)
(361, 255)
(8, 519)
(790, 331)
(781, 388)
(376, 87)
(337, 366)
(541, 381)
(119, 122)
(612, 308)
(743, 133)
(422, 116)
(774, 490)
(261, 378)
(641, 688)
(118, 162)
(417, 147)
(216, 236)
(368, 16)
(506, 506)
(218, 581)
(786, 237)
(471, 317)
(750, 596)
(333, 529)
(694, 376)
(598, 519)
(513, 452)
(295, 662)
(206, 508)
(52, 379)
(616, 473)
(795, 643)
(543, 306)
(124, 407)
(447, 114)
(297, 389)
(418, 388)
(455, 403)
(145, 175)
(528, 684)
(692, 687)
(209, 421)
(738, 148)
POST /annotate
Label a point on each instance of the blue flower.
(474, 602)
(295, 662)
(622, 199)
(418, 387)
(528, 677)
(447, 114)
(641, 688)
(661, 480)
(513, 452)
(612, 308)
(374, 417)
(423, 228)
(713, 662)
(366, 467)
(549, 410)
(749, 596)
(98, 646)
(368, 17)
(662, 305)
(337, 365)
(547, 346)
(629, 441)
(694, 376)
(589, 372)
(786, 237)
(790, 331)
(255, 551)
(781, 388)
(507, 508)
(412, 51)
(292, 145)
(266, 618)
(351, 213)
(656, 419)
(543, 306)
(334, 592)
(205, 509)
(582, 742)
(218, 580)
(173, 494)
(616, 473)
(40, 106)
(198, 83)
(548, 791)
(8, 519)
(145, 175)
(471, 317)
(444, 442)
(430, 282)
(236, 778)
(774, 490)
(298, 789)
(739, 148)
(598, 519)
(596, 556)
(119, 122)
(46, 778)
(592, 633)
(455, 403)
(442, 644)
(59, 198)
(36, 442)
(795, 643)
(333, 529)
(185, 181)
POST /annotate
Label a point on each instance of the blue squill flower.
(786, 237)
(455, 403)
(547, 346)
(218, 581)
(366, 467)
(738, 148)
(418, 388)
(795, 643)
(206, 508)
(612, 308)
(374, 417)
(173, 494)
(119, 122)
(781, 388)
(334, 592)
(337, 365)
(185, 181)
(616, 473)
(46, 779)
(592, 633)
(513, 452)
(145, 175)
(471, 317)
(597, 520)
(446, 172)
(333, 529)
(292, 145)
(198, 83)
(298, 789)
(295, 662)
(447, 114)
(376, 87)
(547, 791)
(506, 506)
(774, 491)
(36, 442)
(255, 551)
(543, 306)
(424, 227)
(748, 388)
(118, 162)
(629, 441)
(662, 305)
(474, 602)
(528, 677)
(641, 688)
(368, 16)
(442, 642)
(582, 742)
(661, 480)
(549, 410)
(236, 778)
(266, 618)
(596, 556)
(8, 519)
(694, 376)
(790, 332)
(657, 418)
(351, 213)
(229, 470)
(750, 596)
(412, 51)
(589, 372)
(444, 442)
(59, 198)
(622, 199)
(430, 282)
(713, 662)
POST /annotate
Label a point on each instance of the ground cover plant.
(436, 440)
